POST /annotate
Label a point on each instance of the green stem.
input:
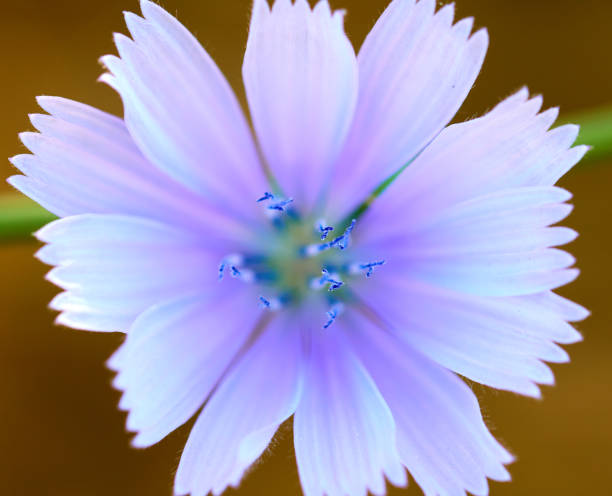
(595, 131)
(20, 216)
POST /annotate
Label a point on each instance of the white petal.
(240, 419)
(441, 436)
(415, 70)
(300, 75)
(343, 430)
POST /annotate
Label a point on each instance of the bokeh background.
(60, 431)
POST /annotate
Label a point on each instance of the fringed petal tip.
(47, 233)
(18, 181)
(581, 314)
(75, 320)
(570, 130)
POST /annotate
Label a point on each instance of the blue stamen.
(341, 242)
(332, 314)
(370, 267)
(333, 283)
(245, 275)
(345, 238)
(280, 206)
(267, 196)
(230, 260)
(274, 304)
(324, 230)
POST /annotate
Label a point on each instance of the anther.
(333, 313)
(267, 196)
(280, 205)
(369, 267)
(232, 260)
(334, 282)
(272, 304)
(323, 229)
(245, 275)
(341, 242)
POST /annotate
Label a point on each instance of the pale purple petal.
(237, 424)
(495, 245)
(114, 267)
(441, 436)
(300, 75)
(345, 436)
(510, 147)
(476, 209)
(415, 70)
(467, 284)
(500, 342)
(85, 161)
(182, 113)
(174, 355)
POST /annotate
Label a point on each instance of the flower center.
(302, 258)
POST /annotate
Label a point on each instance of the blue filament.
(343, 240)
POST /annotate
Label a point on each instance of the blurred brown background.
(60, 431)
